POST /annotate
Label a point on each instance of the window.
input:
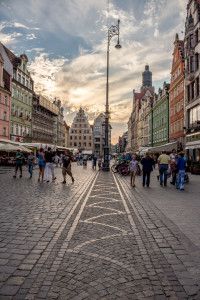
(75, 137)
(23, 80)
(176, 75)
(6, 100)
(79, 137)
(197, 86)
(181, 86)
(197, 61)
(192, 88)
(175, 127)
(17, 111)
(13, 110)
(179, 71)
(196, 36)
(12, 128)
(4, 131)
(70, 143)
(171, 128)
(191, 40)
(165, 119)
(20, 130)
(174, 93)
(182, 104)
(5, 115)
(17, 129)
(26, 99)
(26, 82)
(84, 144)
(89, 144)
(19, 78)
(17, 94)
(182, 124)
(192, 64)
(178, 90)
(175, 109)
(84, 137)
(178, 107)
(70, 137)
(13, 92)
(22, 97)
(179, 125)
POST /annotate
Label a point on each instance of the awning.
(166, 147)
(192, 145)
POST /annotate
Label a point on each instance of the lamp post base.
(106, 164)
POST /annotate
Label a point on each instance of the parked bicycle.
(124, 170)
(120, 163)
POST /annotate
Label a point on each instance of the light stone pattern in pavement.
(95, 239)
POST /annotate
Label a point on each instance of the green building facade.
(21, 100)
(160, 114)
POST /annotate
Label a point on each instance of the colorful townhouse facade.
(176, 96)
(161, 116)
(5, 100)
(21, 100)
(192, 80)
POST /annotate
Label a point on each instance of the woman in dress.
(133, 169)
(41, 163)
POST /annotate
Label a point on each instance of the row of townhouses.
(24, 115)
(172, 115)
(31, 118)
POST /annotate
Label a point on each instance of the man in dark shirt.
(49, 158)
(67, 159)
(19, 163)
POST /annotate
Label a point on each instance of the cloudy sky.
(66, 40)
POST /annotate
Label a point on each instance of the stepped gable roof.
(15, 60)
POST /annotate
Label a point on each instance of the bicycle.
(124, 171)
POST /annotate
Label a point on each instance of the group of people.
(173, 163)
(45, 161)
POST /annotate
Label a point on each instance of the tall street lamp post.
(112, 31)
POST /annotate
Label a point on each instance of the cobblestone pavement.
(98, 238)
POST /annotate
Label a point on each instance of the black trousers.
(146, 177)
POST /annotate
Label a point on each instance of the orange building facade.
(176, 95)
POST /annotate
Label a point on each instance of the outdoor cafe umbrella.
(8, 147)
(13, 148)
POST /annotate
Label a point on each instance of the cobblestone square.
(98, 238)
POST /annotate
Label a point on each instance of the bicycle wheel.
(114, 168)
(123, 171)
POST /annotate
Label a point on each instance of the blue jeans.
(163, 170)
(180, 178)
(30, 169)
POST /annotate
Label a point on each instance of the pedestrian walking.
(133, 169)
(67, 160)
(19, 163)
(99, 161)
(163, 163)
(49, 158)
(94, 163)
(180, 175)
(56, 159)
(148, 164)
(41, 164)
(30, 162)
(173, 158)
(60, 161)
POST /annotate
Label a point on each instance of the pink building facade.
(5, 96)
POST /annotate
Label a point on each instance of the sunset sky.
(66, 40)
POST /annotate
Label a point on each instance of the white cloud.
(8, 39)
(146, 37)
(31, 36)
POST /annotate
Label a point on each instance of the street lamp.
(112, 31)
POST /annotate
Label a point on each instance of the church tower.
(147, 77)
(147, 80)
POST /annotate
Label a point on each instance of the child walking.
(133, 169)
